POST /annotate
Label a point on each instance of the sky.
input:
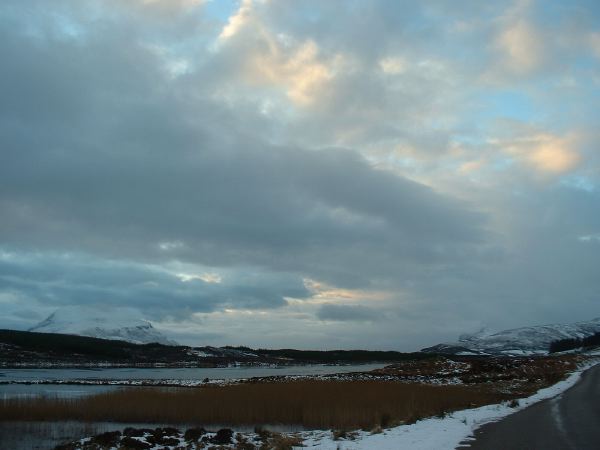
(310, 174)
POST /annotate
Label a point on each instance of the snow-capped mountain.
(118, 323)
(518, 341)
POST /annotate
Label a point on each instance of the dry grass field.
(311, 404)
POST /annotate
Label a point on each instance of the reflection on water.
(184, 373)
(51, 390)
(46, 435)
(70, 391)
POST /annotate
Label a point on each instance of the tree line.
(562, 345)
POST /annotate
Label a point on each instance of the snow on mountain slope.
(118, 323)
(518, 341)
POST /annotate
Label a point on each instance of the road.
(570, 421)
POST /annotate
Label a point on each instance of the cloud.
(392, 65)
(56, 280)
(241, 175)
(594, 41)
(322, 293)
(347, 313)
(532, 42)
(268, 59)
(237, 20)
(545, 153)
(128, 175)
(554, 156)
(180, 179)
(521, 46)
(160, 10)
(207, 277)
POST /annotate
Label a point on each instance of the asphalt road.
(570, 421)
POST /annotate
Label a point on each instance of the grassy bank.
(312, 404)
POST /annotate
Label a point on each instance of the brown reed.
(310, 404)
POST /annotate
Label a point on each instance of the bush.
(223, 436)
(279, 441)
(108, 439)
(136, 432)
(194, 434)
(129, 443)
(338, 434)
(163, 436)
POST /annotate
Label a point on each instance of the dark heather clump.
(136, 432)
(163, 436)
(223, 436)
(69, 446)
(130, 443)
(193, 434)
(170, 431)
(108, 439)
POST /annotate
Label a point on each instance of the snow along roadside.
(439, 433)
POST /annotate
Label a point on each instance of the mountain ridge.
(114, 324)
(516, 341)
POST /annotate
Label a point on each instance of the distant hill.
(519, 341)
(33, 349)
(108, 323)
(25, 348)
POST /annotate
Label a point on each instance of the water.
(46, 435)
(52, 390)
(184, 373)
(69, 391)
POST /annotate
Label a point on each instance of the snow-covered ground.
(438, 433)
